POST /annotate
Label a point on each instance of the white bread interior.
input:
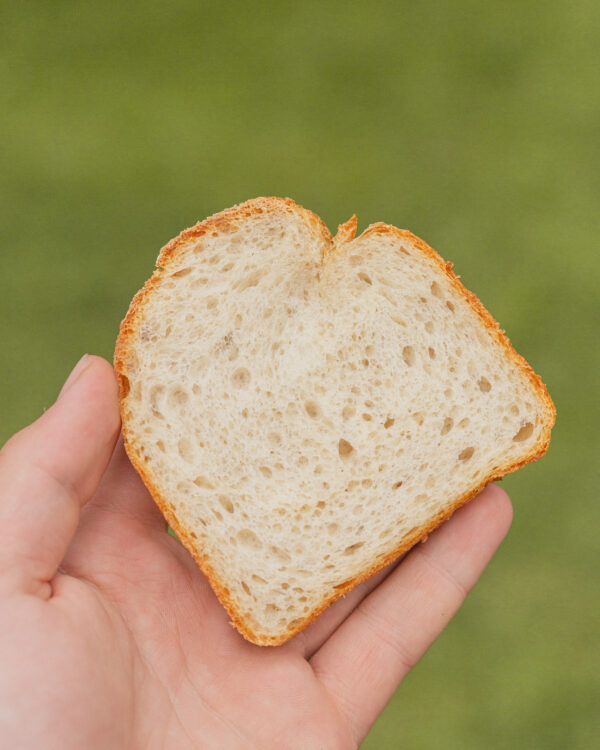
(304, 409)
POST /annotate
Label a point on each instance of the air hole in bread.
(436, 290)
(484, 385)
(258, 578)
(178, 397)
(251, 280)
(204, 483)
(464, 422)
(351, 548)
(514, 409)
(450, 306)
(345, 449)
(355, 260)
(348, 412)
(181, 272)
(249, 539)
(226, 503)
(161, 446)
(211, 303)
(266, 471)
(388, 422)
(429, 326)
(155, 397)
(312, 409)
(217, 514)
(241, 377)
(397, 485)
(431, 351)
(389, 296)
(185, 449)
(524, 433)
(408, 355)
(280, 554)
(332, 528)
(367, 417)
(447, 426)
(466, 453)
(245, 587)
(365, 277)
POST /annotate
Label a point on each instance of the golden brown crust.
(230, 219)
(346, 232)
(227, 221)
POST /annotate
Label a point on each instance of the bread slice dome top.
(304, 409)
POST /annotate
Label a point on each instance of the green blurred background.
(475, 125)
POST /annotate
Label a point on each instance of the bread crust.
(226, 221)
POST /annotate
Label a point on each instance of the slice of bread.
(305, 409)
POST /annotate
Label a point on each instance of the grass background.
(476, 125)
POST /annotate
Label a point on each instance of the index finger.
(366, 658)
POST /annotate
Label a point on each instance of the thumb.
(50, 469)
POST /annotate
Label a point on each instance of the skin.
(111, 637)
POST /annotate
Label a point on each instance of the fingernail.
(75, 373)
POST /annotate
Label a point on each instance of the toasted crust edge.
(224, 221)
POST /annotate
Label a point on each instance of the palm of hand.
(119, 642)
(194, 681)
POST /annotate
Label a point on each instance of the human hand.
(111, 637)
